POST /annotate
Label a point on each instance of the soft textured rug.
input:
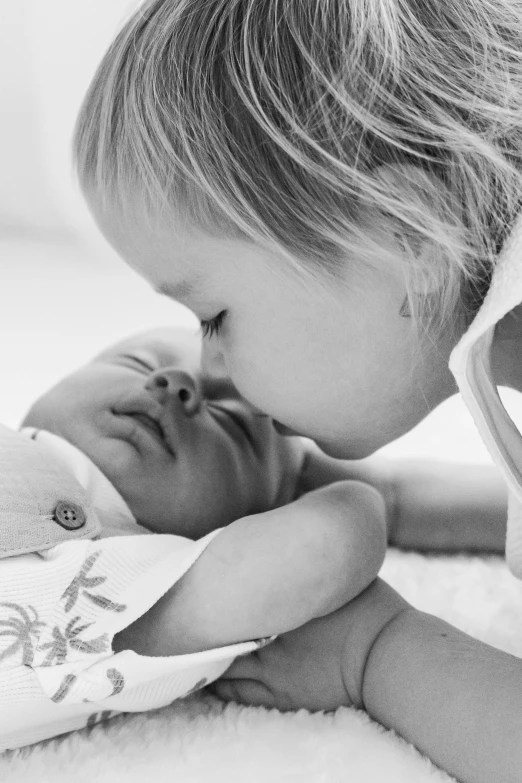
(200, 740)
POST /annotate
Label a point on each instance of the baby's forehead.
(166, 345)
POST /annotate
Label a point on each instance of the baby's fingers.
(299, 669)
(243, 691)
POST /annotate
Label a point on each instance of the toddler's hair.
(269, 120)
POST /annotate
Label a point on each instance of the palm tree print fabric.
(24, 636)
(85, 584)
(59, 611)
(19, 632)
(21, 629)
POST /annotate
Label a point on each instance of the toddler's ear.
(422, 195)
(424, 202)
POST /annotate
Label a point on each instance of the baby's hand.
(299, 669)
(319, 666)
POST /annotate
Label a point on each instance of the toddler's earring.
(405, 311)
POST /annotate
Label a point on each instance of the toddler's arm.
(457, 699)
(269, 573)
(430, 505)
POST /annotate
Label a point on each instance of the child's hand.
(319, 666)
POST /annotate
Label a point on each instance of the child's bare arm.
(269, 573)
(449, 507)
(457, 699)
(430, 505)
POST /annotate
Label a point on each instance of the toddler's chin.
(350, 450)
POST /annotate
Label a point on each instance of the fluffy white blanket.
(199, 740)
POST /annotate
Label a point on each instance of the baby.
(188, 456)
(257, 535)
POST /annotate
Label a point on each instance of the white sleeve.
(117, 581)
(59, 612)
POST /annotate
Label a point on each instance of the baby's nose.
(178, 386)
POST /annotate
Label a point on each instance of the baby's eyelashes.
(138, 364)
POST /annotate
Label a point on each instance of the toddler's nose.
(171, 384)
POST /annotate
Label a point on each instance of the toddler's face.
(184, 451)
(332, 360)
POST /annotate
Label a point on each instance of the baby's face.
(184, 451)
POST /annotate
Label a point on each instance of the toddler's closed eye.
(212, 326)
